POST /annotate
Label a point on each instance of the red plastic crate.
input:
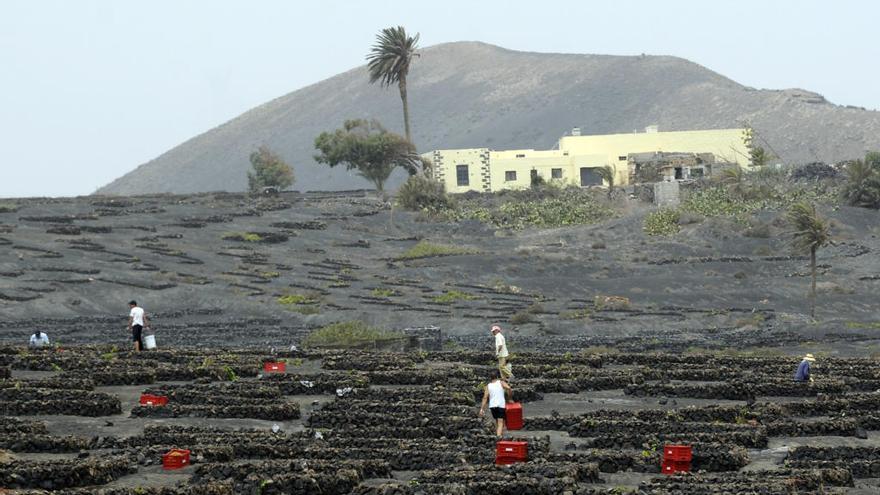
(153, 400)
(672, 467)
(508, 452)
(677, 453)
(513, 416)
(272, 367)
(175, 459)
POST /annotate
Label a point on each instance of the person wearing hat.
(501, 353)
(803, 370)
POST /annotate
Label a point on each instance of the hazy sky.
(91, 89)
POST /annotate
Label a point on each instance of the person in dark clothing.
(803, 370)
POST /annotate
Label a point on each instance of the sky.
(90, 89)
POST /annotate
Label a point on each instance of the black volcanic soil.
(702, 353)
(69, 266)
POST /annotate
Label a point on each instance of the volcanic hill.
(471, 94)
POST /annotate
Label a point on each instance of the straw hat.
(809, 357)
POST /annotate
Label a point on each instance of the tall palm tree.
(606, 173)
(811, 232)
(389, 61)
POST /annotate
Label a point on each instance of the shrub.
(425, 249)
(289, 299)
(380, 292)
(522, 317)
(420, 192)
(242, 236)
(452, 296)
(8, 208)
(269, 171)
(575, 314)
(662, 222)
(718, 201)
(349, 334)
(542, 207)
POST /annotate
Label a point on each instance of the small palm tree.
(811, 232)
(735, 179)
(389, 61)
(862, 186)
(606, 173)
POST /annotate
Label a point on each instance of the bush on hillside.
(543, 207)
(420, 192)
(662, 222)
(348, 334)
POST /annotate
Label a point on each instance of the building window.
(521, 156)
(510, 175)
(697, 173)
(461, 175)
(621, 158)
(555, 173)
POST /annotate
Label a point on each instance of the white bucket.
(150, 341)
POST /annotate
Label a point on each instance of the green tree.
(366, 146)
(862, 187)
(389, 61)
(270, 170)
(606, 173)
(810, 233)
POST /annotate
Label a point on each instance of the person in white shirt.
(39, 339)
(497, 394)
(137, 320)
(501, 353)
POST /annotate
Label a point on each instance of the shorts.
(498, 412)
(137, 334)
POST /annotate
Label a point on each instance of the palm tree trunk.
(813, 286)
(402, 86)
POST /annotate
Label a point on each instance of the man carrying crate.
(496, 395)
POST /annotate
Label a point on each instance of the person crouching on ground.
(38, 339)
(803, 370)
(137, 320)
(501, 353)
(496, 395)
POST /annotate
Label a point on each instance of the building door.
(589, 177)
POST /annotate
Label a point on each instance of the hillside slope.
(472, 94)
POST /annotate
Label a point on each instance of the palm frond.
(810, 231)
(389, 60)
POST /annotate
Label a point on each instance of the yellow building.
(577, 158)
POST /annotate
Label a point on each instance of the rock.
(663, 400)
(861, 434)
